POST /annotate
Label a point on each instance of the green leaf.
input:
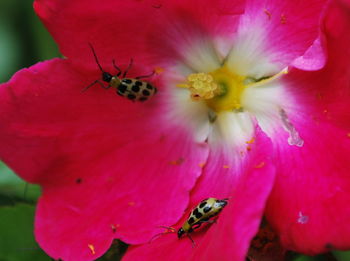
(342, 255)
(304, 258)
(13, 186)
(115, 252)
(323, 257)
(16, 238)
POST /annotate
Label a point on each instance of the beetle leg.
(193, 243)
(127, 69)
(117, 68)
(169, 230)
(97, 81)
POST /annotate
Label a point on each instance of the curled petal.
(272, 34)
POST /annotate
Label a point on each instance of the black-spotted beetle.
(202, 213)
(131, 88)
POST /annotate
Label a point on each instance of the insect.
(202, 213)
(133, 89)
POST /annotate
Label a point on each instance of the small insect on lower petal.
(204, 212)
(133, 89)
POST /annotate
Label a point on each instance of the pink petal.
(106, 164)
(247, 184)
(331, 86)
(117, 29)
(133, 29)
(309, 203)
(288, 30)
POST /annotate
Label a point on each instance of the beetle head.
(180, 233)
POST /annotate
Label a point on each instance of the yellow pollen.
(251, 141)
(158, 70)
(92, 248)
(202, 164)
(260, 165)
(267, 12)
(179, 161)
(226, 166)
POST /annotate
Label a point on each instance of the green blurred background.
(23, 42)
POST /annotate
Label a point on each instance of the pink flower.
(252, 104)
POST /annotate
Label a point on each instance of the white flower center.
(222, 100)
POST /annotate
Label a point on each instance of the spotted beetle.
(131, 88)
(202, 213)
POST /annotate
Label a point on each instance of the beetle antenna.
(169, 230)
(96, 59)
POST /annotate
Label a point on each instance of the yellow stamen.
(201, 86)
(270, 79)
(222, 89)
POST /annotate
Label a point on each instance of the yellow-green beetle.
(202, 213)
(131, 88)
